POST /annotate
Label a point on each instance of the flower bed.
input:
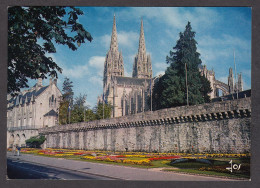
(135, 158)
(119, 159)
(164, 158)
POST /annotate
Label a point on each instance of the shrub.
(35, 141)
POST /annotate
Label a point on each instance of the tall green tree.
(67, 90)
(78, 110)
(66, 101)
(90, 115)
(100, 108)
(63, 112)
(26, 27)
(171, 89)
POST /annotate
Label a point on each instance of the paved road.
(17, 169)
(68, 169)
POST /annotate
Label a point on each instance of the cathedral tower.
(142, 67)
(114, 64)
(231, 81)
(240, 83)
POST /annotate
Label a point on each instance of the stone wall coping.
(207, 111)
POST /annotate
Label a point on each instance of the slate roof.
(51, 113)
(28, 94)
(131, 81)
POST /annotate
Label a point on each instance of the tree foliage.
(63, 112)
(32, 32)
(66, 100)
(99, 111)
(171, 89)
(67, 90)
(90, 115)
(35, 141)
(79, 110)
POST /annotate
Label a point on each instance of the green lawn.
(211, 173)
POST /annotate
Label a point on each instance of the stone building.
(128, 95)
(30, 110)
(231, 87)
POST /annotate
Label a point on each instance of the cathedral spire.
(142, 49)
(231, 81)
(142, 67)
(114, 44)
(114, 64)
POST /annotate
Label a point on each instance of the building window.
(52, 101)
(24, 122)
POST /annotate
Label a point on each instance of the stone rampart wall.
(214, 127)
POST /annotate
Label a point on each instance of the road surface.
(17, 169)
(38, 167)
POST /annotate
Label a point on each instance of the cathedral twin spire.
(114, 65)
(114, 44)
(142, 67)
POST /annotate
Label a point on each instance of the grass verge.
(209, 173)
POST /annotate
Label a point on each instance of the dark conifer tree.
(67, 90)
(171, 89)
(66, 101)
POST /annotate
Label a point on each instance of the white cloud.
(160, 68)
(224, 40)
(126, 39)
(220, 50)
(77, 71)
(174, 17)
(160, 73)
(105, 40)
(98, 63)
(160, 65)
(97, 80)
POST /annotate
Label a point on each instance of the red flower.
(78, 153)
(120, 156)
(164, 158)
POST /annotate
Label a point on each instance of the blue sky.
(219, 31)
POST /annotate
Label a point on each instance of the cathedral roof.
(128, 81)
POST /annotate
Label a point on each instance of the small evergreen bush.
(35, 141)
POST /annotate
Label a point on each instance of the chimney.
(55, 81)
(50, 81)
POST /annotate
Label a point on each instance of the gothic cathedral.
(127, 95)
